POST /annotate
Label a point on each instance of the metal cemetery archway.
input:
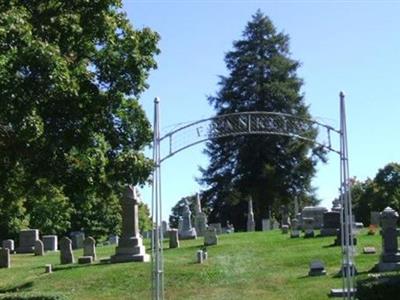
(250, 123)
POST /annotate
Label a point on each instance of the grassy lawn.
(259, 265)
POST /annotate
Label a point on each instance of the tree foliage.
(71, 73)
(378, 193)
(272, 169)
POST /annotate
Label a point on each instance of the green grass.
(259, 265)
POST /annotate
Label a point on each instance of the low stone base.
(25, 250)
(340, 293)
(85, 260)
(120, 258)
(317, 272)
(295, 234)
(388, 266)
(188, 234)
(309, 234)
(328, 232)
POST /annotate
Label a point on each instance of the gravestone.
(295, 232)
(331, 223)
(369, 250)
(285, 229)
(229, 228)
(375, 218)
(89, 247)
(48, 268)
(336, 205)
(66, 254)
(188, 231)
(317, 268)
(315, 212)
(27, 239)
(77, 238)
(165, 228)
(266, 224)
(200, 218)
(39, 248)
(173, 238)
(251, 225)
(50, 242)
(8, 244)
(210, 237)
(285, 216)
(113, 239)
(308, 225)
(390, 257)
(5, 259)
(130, 247)
(199, 256)
(275, 224)
(85, 260)
(180, 225)
(217, 226)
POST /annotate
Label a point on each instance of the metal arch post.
(348, 264)
(157, 259)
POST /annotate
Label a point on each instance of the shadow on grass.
(18, 288)
(78, 266)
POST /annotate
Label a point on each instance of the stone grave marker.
(210, 237)
(200, 218)
(39, 248)
(89, 247)
(251, 225)
(66, 254)
(85, 260)
(48, 268)
(8, 244)
(317, 268)
(375, 218)
(390, 257)
(113, 239)
(199, 256)
(173, 238)
(50, 242)
(77, 238)
(188, 232)
(5, 259)
(217, 226)
(308, 224)
(266, 224)
(331, 223)
(369, 250)
(27, 239)
(295, 232)
(130, 247)
(285, 229)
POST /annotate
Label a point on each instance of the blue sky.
(352, 46)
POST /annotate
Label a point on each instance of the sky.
(352, 46)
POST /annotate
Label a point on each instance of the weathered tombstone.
(27, 239)
(275, 224)
(5, 259)
(295, 232)
(217, 226)
(199, 256)
(229, 228)
(66, 254)
(173, 238)
(210, 237)
(77, 238)
(317, 268)
(39, 248)
(390, 257)
(50, 242)
(285, 216)
(48, 268)
(369, 250)
(130, 247)
(188, 231)
(113, 239)
(331, 223)
(308, 224)
(180, 225)
(315, 212)
(251, 225)
(266, 224)
(285, 229)
(165, 228)
(89, 247)
(374, 218)
(338, 240)
(200, 218)
(8, 244)
(85, 260)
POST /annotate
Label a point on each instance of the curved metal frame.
(250, 123)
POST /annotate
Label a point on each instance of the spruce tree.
(272, 169)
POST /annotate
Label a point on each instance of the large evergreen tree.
(272, 169)
(72, 129)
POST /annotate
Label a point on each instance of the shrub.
(379, 288)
